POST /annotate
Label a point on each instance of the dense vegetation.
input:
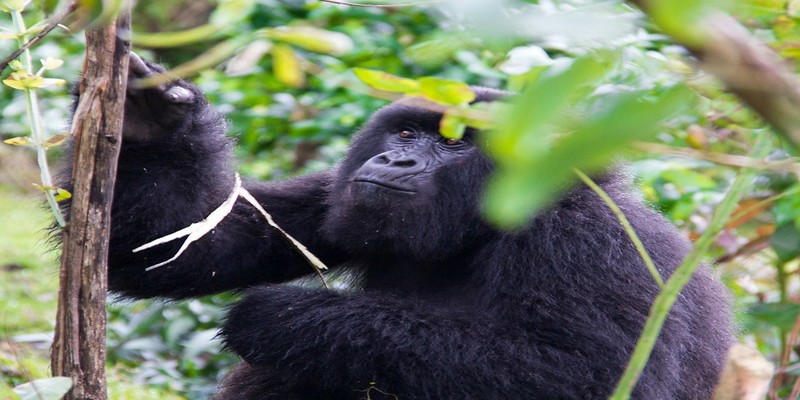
(282, 73)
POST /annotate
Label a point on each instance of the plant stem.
(664, 301)
(35, 121)
(648, 262)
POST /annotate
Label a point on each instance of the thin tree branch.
(55, 21)
(345, 3)
(748, 67)
(787, 165)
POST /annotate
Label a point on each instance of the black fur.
(450, 308)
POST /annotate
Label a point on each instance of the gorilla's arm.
(175, 168)
(404, 347)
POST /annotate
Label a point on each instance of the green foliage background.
(598, 70)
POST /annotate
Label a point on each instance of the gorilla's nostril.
(405, 163)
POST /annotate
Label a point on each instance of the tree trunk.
(79, 348)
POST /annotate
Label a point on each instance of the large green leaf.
(309, 38)
(44, 389)
(523, 131)
(786, 242)
(447, 92)
(387, 82)
(520, 189)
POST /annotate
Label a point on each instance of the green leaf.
(682, 19)
(176, 39)
(209, 58)
(688, 179)
(519, 190)
(452, 126)
(787, 209)
(44, 389)
(286, 66)
(229, 12)
(313, 39)
(786, 242)
(780, 315)
(21, 80)
(525, 129)
(13, 5)
(437, 50)
(387, 82)
(43, 187)
(793, 9)
(62, 194)
(102, 12)
(51, 82)
(447, 92)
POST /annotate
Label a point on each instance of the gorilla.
(444, 305)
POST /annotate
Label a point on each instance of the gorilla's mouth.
(386, 185)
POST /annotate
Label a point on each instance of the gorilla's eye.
(407, 134)
(453, 142)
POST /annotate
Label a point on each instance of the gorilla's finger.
(137, 66)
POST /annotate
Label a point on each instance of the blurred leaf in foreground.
(535, 164)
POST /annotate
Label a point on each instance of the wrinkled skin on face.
(401, 172)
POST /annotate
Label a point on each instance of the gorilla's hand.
(151, 113)
(263, 327)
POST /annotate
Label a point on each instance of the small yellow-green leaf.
(13, 5)
(286, 66)
(55, 140)
(452, 126)
(793, 8)
(387, 82)
(8, 36)
(447, 92)
(209, 58)
(62, 194)
(16, 65)
(43, 187)
(176, 39)
(682, 19)
(309, 38)
(19, 141)
(229, 12)
(20, 80)
(51, 63)
(44, 389)
(50, 82)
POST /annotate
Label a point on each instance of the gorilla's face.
(404, 189)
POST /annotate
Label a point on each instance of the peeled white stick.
(196, 230)
(303, 249)
(199, 229)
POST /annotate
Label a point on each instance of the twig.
(52, 24)
(748, 67)
(197, 230)
(626, 225)
(319, 266)
(681, 276)
(787, 165)
(751, 247)
(345, 3)
(783, 362)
